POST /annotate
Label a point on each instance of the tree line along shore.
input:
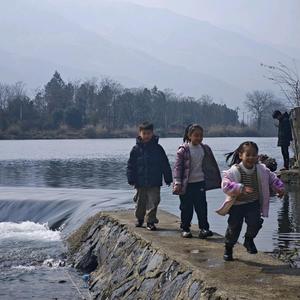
(105, 109)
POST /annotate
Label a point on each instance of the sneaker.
(139, 223)
(250, 246)
(151, 227)
(203, 234)
(186, 234)
(228, 253)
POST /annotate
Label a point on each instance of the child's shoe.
(228, 253)
(186, 234)
(203, 234)
(250, 246)
(151, 227)
(139, 223)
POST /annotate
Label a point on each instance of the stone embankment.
(132, 263)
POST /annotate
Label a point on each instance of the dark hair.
(146, 126)
(276, 114)
(235, 154)
(189, 130)
(186, 133)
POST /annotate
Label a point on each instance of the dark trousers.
(251, 213)
(194, 198)
(285, 155)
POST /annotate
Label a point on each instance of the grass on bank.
(95, 132)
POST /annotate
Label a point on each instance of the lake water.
(47, 185)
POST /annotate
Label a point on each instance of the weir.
(126, 262)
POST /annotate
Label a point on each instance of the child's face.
(146, 135)
(249, 156)
(196, 137)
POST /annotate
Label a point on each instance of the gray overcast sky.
(275, 21)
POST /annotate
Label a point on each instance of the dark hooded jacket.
(147, 164)
(284, 130)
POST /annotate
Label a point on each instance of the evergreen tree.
(73, 117)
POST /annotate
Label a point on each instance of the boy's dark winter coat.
(147, 164)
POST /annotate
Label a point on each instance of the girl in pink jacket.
(247, 185)
(195, 172)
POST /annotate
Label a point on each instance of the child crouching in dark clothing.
(146, 166)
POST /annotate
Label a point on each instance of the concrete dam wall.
(125, 262)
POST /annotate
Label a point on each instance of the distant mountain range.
(135, 45)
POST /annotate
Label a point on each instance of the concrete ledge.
(291, 177)
(133, 263)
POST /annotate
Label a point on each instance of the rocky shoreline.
(125, 266)
(129, 263)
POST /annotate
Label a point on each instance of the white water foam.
(28, 231)
(24, 268)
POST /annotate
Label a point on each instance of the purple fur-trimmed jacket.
(232, 188)
(182, 168)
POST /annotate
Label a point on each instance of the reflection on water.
(84, 173)
(289, 222)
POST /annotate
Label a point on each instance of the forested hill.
(104, 108)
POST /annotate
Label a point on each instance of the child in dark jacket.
(146, 166)
(195, 172)
(284, 135)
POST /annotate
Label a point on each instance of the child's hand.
(177, 188)
(280, 194)
(247, 190)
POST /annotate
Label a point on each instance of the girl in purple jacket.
(247, 185)
(195, 172)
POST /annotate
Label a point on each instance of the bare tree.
(3, 95)
(114, 85)
(9, 92)
(258, 102)
(287, 78)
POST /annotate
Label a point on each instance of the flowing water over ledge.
(57, 184)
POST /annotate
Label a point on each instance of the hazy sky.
(275, 21)
(138, 46)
